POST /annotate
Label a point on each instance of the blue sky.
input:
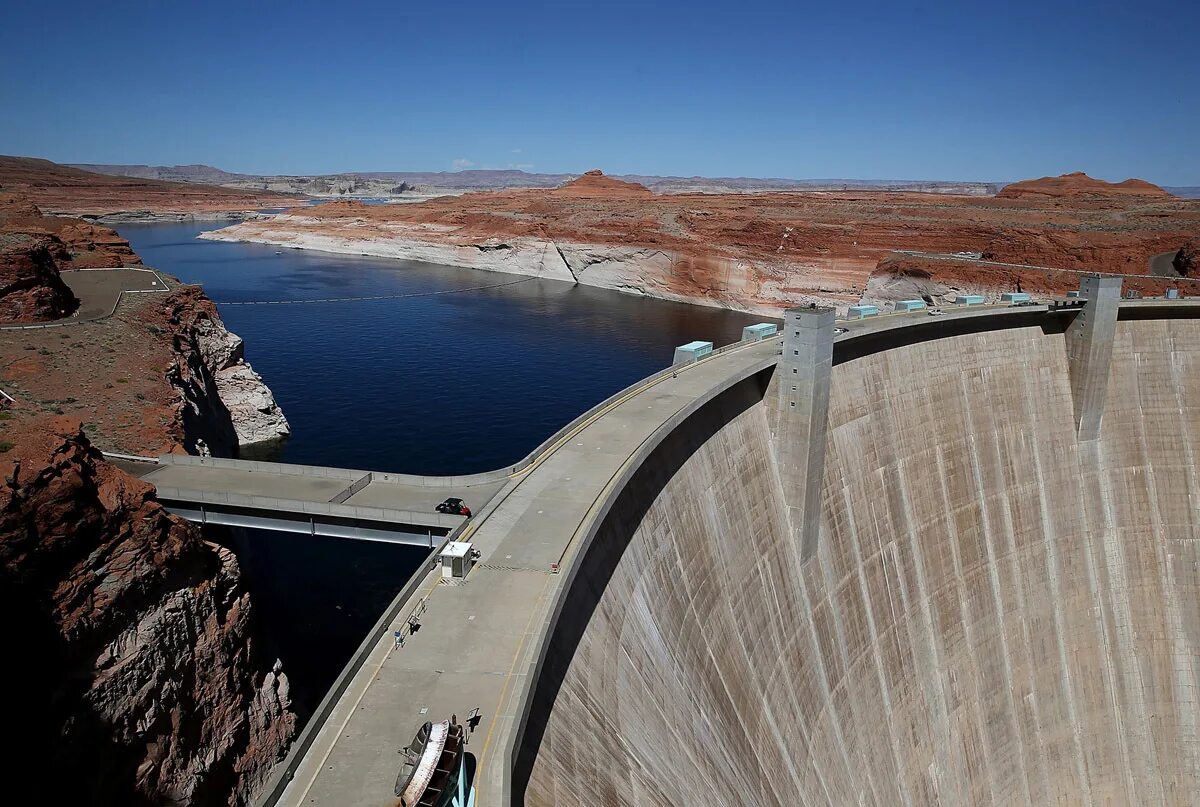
(860, 90)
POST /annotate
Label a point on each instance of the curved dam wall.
(995, 612)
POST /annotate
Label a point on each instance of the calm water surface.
(450, 379)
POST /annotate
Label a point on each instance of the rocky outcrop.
(73, 243)
(31, 288)
(132, 665)
(252, 408)
(1079, 184)
(222, 403)
(1187, 260)
(596, 185)
(35, 250)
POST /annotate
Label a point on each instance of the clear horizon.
(863, 91)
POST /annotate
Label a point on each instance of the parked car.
(454, 507)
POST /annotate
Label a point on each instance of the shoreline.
(156, 217)
(636, 271)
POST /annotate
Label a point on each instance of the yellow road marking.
(487, 741)
(357, 701)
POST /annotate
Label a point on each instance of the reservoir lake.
(451, 371)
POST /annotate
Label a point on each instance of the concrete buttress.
(1089, 351)
(804, 371)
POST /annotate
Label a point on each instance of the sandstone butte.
(764, 252)
(1079, 185)
(59, 189)
(133, 665)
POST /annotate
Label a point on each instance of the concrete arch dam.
(994, 611)
(920, 560)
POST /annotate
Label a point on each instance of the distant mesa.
(595, 184)
(1079, 184)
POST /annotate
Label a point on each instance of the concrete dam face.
(994, 611)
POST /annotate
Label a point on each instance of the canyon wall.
(133, 669)
(940, 281)
(644, 271)
(132, 674)
(187, 386)
(31, 288)
(222, 403)
(994, 614)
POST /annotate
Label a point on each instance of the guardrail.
(351, 512)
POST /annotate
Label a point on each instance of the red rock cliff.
(132, 668)
(35, 249)
(31, 288)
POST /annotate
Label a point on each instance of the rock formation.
(31, 288)
(594, 184)
(131, 664)
(939, 281)
(755, 252)
(252, 408)
(188, 378)
(74, 243)
(35, 249)
(1187, 260)
(222, 401)
(1079, 184)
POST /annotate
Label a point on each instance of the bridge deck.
(378, 493)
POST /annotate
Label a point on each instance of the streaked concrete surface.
(997, 613)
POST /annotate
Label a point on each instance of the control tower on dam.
(909, 560)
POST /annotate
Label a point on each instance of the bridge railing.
(309, 509)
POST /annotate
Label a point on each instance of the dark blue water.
(454, 379)
(446, 383)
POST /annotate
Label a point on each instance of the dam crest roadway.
(509, 640)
